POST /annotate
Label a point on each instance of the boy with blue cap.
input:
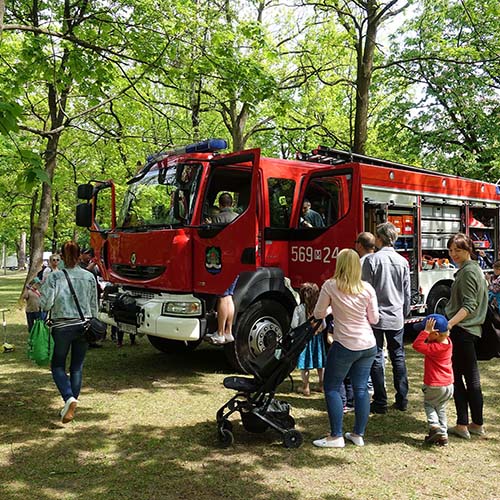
(434, 343)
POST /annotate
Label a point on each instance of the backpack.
(40, 343)
(39, 274)
(488, 345)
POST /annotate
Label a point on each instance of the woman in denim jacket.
(67, 325)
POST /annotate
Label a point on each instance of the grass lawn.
(145, 429)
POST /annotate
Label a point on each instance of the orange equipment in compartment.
(397, 220)
(408, 224)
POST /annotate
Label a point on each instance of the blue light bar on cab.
(206, 146)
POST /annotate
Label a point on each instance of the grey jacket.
(225, 216)
(389, 274)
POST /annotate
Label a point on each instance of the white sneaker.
(337, 442)
(229, 338)
(218, 339)
(68, 412)
(357, 440)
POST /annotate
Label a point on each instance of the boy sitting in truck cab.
(226, 214)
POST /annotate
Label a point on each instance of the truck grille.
(142, 273)
(142, 294)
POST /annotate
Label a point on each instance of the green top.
(470, 291)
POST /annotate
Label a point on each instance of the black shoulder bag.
(95, 330)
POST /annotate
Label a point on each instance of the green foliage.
(9, 115)
(133, 77)
(446, 109)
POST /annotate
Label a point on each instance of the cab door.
(221, 251)
(334, 197)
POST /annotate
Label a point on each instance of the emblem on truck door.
(133, 258)
(213, 261)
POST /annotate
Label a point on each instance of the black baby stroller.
(255, 400)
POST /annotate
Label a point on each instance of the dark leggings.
(467, 385)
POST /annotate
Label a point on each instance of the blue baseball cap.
(441, 323)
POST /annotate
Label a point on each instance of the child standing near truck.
(434, 343)
(314, 355)
(494, 286)
(32, 297)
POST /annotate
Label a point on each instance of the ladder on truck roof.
(331, 156)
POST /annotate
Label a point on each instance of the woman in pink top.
(354, 306)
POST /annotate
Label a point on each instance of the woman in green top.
(466, 311)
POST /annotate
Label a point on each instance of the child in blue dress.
(314, 355)
(494, 286)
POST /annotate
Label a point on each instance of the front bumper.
(142, 314)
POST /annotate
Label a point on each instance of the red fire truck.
(167, 261)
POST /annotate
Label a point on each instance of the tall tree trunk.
(55, 222)
(39, 227)
(21, 254)
(366, 54)
(2, 12)
(238, 123)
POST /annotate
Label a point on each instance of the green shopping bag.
(40, 343)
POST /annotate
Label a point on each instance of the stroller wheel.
(226, 424)
(292, 439)
(226, 438)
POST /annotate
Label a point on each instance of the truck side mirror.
(85, 191)
(84, 215)
(184, 175)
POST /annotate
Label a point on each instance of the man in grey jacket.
(389, 274)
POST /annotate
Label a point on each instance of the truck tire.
(437, 299)
(259, 326)
(169, 346)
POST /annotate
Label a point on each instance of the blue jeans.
(400, 376)
(340, 363)
(64, 338)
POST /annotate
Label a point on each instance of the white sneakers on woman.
(68, 412)
(355, 439)
(330, 442)
(221, 339)
(339, 442)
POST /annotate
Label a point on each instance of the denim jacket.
(56, 295)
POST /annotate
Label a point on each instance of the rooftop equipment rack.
(331, 156)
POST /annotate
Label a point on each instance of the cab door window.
(280, 201)
(326, 200)
(228, 195)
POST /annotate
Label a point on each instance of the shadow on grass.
(151, 462)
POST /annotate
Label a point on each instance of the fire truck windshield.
(151, 201)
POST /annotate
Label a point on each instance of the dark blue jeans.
(467, 386)
(32, 316)
(64, 339)
(400, 376)
(340, 363)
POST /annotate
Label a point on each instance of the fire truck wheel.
(437, 299)
(169, 346)
(259, 326)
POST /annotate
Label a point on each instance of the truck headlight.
(181, 308)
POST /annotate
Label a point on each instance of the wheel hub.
(264, 333)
